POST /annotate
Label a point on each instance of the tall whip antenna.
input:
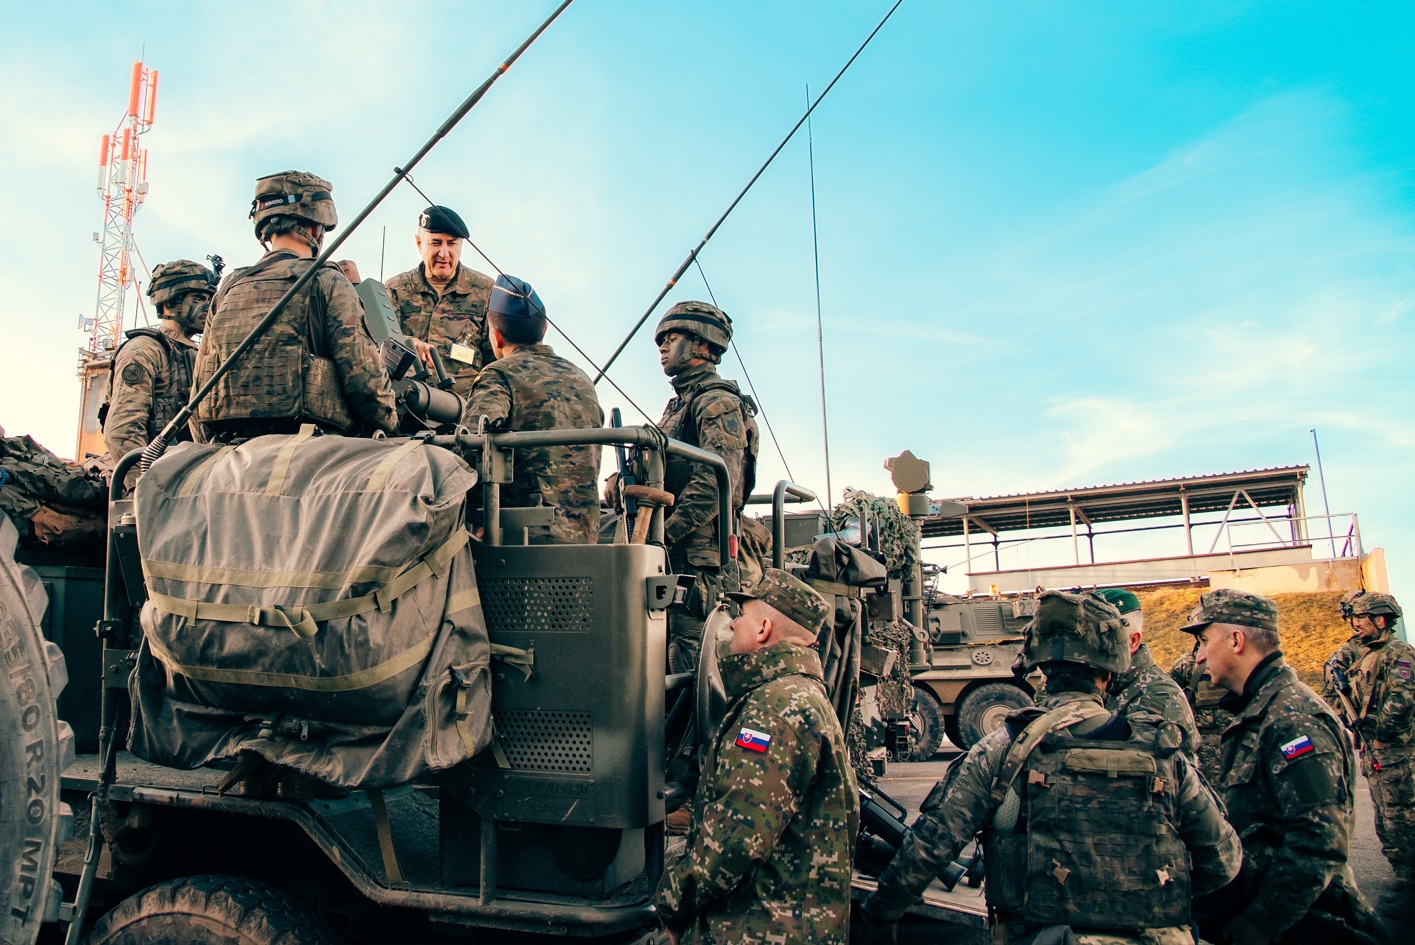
(733, 206)
(820, 325)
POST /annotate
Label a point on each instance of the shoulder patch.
(752, 740)
(134, 374)
(1297, 748)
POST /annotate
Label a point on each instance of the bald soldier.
(442, 304)
(1289, 777)
(777, 810)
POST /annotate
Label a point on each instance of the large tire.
(926, 727)
(35, 747)
(211, 910)
(985, 708)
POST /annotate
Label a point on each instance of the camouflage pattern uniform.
(152, 379)
(1209, 717)
(534, 389)
(316, 363)
(1144, 687)
(708, 412)
(773, 822)
(1383, 694)
(1289, 777)
(455, 319)
(1111, 868)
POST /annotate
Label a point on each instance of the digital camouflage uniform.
(454, 323)
(316, 363)
(775, 816)
(1144, 687)
(534, 389)
(1091, 821)
(1210, 718)
(1383, 694)
(152, 379)
(711, 413)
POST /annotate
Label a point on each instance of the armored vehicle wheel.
(207, 910)
(35, 747)
(926, 728)
(985, 708)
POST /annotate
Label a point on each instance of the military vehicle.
(965, 686)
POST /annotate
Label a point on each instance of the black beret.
(442, 220)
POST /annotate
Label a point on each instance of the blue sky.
(1061, 244)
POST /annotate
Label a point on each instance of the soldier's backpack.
(311, 600)
(1084, 834)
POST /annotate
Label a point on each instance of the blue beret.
(442, 220)
(514, 298)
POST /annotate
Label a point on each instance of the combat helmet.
(708, 322)
(1375, 604)
(297, 194)
(1076, 628)
(171, 279)
(1347, 600)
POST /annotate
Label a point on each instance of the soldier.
(1289, 779)
(709, 412)
(442, 304)
(1095, 826)
(528, 387)
(316, 363)
(1144, 687)
(1383, 695)
(776, 813)
(151, 375)
(1209, 717)
(1336, 683)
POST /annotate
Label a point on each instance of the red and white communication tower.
(122, 185)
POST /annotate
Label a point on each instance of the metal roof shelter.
(1241, 498)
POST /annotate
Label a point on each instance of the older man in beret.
(1289, 778)
(776, 812)
(442, 304)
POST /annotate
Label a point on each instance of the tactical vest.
(176, 384)
(678, 470)
(1205, 697)
(287, 373)
(1094, 844)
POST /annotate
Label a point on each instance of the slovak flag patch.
(753, 740)
(1297, 748)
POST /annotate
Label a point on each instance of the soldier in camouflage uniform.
(776, 813)
(1144, 687)
(1383, 695)
(1095, 826)
(442, 304)
(150, 378)
(1289, 778)
(1209, 717)
(709, 412)
(316, 363)
(1336, 681)
(528, 387)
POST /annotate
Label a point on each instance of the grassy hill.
(1309, 624)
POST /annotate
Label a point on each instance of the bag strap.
(1073, 713)
(303, 620)
(284, 458)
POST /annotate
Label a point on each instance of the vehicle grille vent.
(988, 619)
(546, 741)
(538, 605)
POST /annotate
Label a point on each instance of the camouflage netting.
(895, 691)
(859, 748)
(52, 502)
(898, 535)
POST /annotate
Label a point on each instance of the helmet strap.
(684, 349)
